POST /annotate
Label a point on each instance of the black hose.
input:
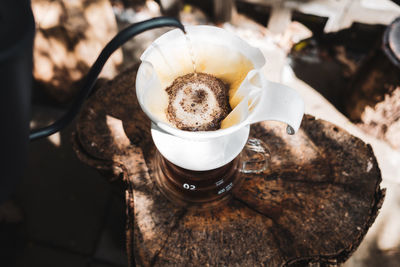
(91, 78)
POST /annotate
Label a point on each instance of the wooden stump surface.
(314, 204)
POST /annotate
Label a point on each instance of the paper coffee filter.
(216, 52)
(244, 99)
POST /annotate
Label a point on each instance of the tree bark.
(314, 203)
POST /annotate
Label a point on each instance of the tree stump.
(314, 204)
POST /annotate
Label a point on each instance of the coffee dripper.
(200, 169)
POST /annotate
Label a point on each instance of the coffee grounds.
(197, 102)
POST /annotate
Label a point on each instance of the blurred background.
(342, 56)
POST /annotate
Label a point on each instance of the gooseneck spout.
(121, 38)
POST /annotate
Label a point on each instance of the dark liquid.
(197, 189)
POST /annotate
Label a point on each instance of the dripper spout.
(290, 130)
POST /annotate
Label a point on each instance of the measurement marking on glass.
(219, 182)
(221, 191)
(189, 186)
(226, 189)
